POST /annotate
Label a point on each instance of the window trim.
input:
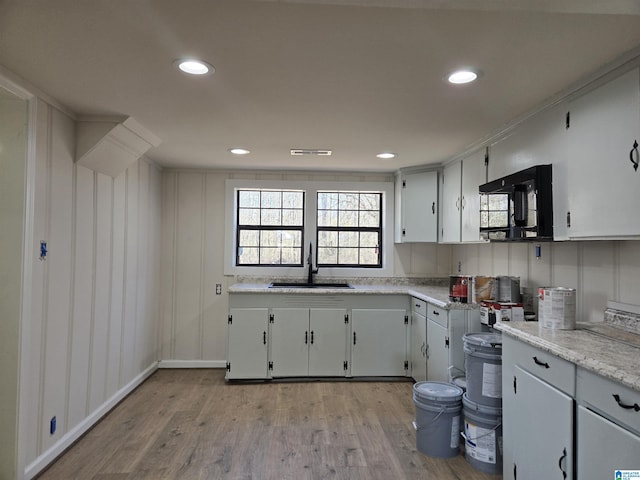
(311, 188)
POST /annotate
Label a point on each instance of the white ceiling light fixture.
(193, 66)
(386, 155)
(240, 151)
(462, 76)
(322, 152)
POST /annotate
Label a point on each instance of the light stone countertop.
(436, 295)
(615, 360)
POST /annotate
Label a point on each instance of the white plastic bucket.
(483, 358)
(438, 418)
(483, 436)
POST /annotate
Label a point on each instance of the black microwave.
(518, 207)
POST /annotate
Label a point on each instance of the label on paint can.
(481, 443)
(492, 380)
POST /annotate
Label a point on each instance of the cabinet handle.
(417, 305)
(564, 456)
(264, 338)
(635, 407)
(542, 364)
(458, 203)
(435, 312)
(464, 202)
(433, 208)
(306, 338)
(311, 337)
(354, 338)
(637, 155)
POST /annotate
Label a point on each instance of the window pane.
(348, 256)
(327, 200)
(348, 239)
(292, 200)
(348, 219)
(291, 238)
(271, 217)
(292, 217)
(370, 219)
(249, 216)
(249, 238)
(328, 255)
(484, 219)
(271, 200)
(327, 239)
(499, 202)
(327, 218)
(498, 219)
(368, 256)
(269, 256)
(369, 201)
(291, 255)
(368, 239)
(348, 201)
(247, 256)
(249, 198)
(270, 238)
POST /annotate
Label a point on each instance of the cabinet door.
(327, 342)
(419, 207)
(540, 429)
(604, 188)
(418, 347)
(604, 447)
(437, 353)
(290, 342)
(378, 342)
(451, 182)
(474, 174)
(247, 343)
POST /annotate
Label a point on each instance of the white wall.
(93, 331)
(194, 318)
(598, 270)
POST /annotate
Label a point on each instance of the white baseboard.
(74, 434)
(192, 364)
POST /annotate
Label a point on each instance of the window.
(272, 224)
(270, 227)
(349, 229)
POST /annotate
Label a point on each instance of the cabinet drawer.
(546, 366)
(437, 314)
(610, 398)
(419, 306)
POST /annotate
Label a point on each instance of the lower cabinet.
(247, 343)
(379, 342)
(308, 342)
(418, 348)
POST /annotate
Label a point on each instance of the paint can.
(483, 358)
(557, 308)
(483, 436)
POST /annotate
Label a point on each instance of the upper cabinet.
(603, 132)
(416, 207)
(460, 221)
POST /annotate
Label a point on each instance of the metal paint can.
(557, 308)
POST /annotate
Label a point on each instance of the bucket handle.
(472, 440)
(422, 427)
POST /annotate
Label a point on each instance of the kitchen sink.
(308, 285)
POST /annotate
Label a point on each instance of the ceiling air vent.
(311, 151)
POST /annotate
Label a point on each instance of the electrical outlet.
(218, 289)
(52, 425)
(43, 250)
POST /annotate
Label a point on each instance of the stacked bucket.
(482, 402)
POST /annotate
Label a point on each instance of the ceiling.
(358, 77)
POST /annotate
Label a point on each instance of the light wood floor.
(190, 424)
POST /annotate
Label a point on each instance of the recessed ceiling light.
(462, 76)
(386, 155)
(193, 66)
(239, 151)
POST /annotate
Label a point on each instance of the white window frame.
(311, 189)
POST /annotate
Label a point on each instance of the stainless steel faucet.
(311, 271)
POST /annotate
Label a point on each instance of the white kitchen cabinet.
(603, 185)
(603, 447)
(308, 342)
(418, 339)
(416, 208)
(537, 413)
(379, 342)
(460, 219)
(445, 332)
(247, 343)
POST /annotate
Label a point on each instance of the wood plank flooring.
(190, 424)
